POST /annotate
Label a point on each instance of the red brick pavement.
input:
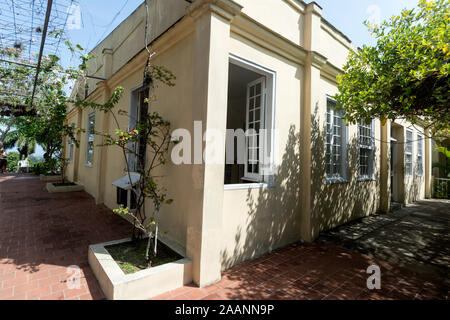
(313, 272)
(42, 234)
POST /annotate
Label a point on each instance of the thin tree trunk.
(147, 250)
(156, 230)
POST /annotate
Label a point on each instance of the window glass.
(335, 142)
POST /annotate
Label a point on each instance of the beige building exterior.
(240, 64)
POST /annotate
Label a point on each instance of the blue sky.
(100, 17)
(348, 15)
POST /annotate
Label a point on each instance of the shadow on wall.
(413, 189)
(338, 203)
(273, 215)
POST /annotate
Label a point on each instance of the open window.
(125, 194)
(71, 142)
(249, 141)
(90, 136)
(138, 110)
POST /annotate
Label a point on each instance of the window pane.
(258, 88)
(258, 102)
(334, 141)
(408, 153)
(365, 145)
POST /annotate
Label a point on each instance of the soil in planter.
(131, 256)
(67, 184)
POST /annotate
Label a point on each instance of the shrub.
(13, 160)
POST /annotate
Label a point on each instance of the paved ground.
(311, 272)
(416, 237)
(41, 235)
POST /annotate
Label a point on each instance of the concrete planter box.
(51, 188)
(44, 177)
(145, 284)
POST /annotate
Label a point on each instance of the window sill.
(246, 186)
(89, 165)
(367, 179)
(336, 180)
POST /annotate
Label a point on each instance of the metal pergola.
(25, 26)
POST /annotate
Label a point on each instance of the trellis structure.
(24, 24)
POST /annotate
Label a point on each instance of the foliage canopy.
(406, 74)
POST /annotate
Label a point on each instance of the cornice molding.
(226, 9)
(249, 29)
(296, 5)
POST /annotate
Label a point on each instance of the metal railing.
(441, 188)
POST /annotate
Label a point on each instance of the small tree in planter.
(153, 132)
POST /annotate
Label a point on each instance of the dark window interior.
(238, 80)
(122, 198)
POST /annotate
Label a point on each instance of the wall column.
(309, 114)
(428, 165)
(77, 153)
(204, 214)
(385, 168)
(103, 124)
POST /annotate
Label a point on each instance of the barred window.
(409, 153)
(366, 150)
(419, 155)
(335, 157)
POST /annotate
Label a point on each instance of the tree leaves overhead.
(406, 74)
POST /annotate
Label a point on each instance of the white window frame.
(72, 142)
(420, 148)
(88, 136)
(411, 153)
(267, 179)
(248, 175)
(371, 159)
(342, 176)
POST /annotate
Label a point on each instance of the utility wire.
(112, 21)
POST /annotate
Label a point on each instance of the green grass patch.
(67, 184)
(130, 256)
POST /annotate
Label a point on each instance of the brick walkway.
(312, 272)
(42, 234)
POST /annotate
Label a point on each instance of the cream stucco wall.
(219, 226)
(171, 102)
(262, 219)
(333, 204)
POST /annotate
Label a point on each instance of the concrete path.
(416, 237)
